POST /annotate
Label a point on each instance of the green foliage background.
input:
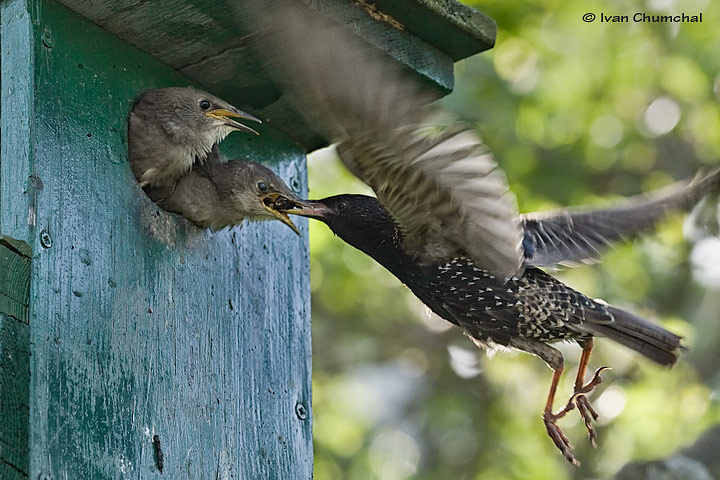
(564, 104)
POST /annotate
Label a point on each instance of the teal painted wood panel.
(16, 125)
(140, 323)
(455, 28)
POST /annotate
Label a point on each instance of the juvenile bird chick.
(216, 195)
(169, 129)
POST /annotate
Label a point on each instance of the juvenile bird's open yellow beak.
(223, 115)
(277, 204)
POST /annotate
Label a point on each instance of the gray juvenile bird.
(169, 129)
(216, 195)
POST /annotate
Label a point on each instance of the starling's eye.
(261, 186)
(342, 204)
(204, 104)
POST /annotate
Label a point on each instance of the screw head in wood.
(301, 411)
(45, 239)
(46, 38)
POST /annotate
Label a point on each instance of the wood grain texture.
(14, 398)
(15, 258)
(456, 29)
(16, 126)
(140, 323)
(209, 43)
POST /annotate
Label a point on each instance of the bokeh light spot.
(606, 131)
(393, 455)
(662, 116)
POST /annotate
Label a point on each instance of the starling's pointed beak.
(277, 204)
(310, 209)
(223, 115)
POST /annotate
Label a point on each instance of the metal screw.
(301, 411)
(295, 184)
(46, 37)
(45, 239)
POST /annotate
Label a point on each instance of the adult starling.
(169, 129)
(445, 222)
(220, 194)
(529, 310)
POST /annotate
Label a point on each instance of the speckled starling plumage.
(445, 221)
(528, 311)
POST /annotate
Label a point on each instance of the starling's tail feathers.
(640, 335)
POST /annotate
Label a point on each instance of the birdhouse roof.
(205, 42)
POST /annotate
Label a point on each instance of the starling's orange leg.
(561, 441)
(579, 396)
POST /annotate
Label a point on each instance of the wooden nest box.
(118, 321)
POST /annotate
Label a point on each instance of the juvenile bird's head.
(252, 191)
(189, 117)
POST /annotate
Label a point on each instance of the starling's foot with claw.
(586, 410)
(588, 414)
(562, 442)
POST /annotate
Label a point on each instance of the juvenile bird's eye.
(204, 104)
(261, 186)
(342, 204)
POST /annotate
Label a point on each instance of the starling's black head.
(358, 219)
